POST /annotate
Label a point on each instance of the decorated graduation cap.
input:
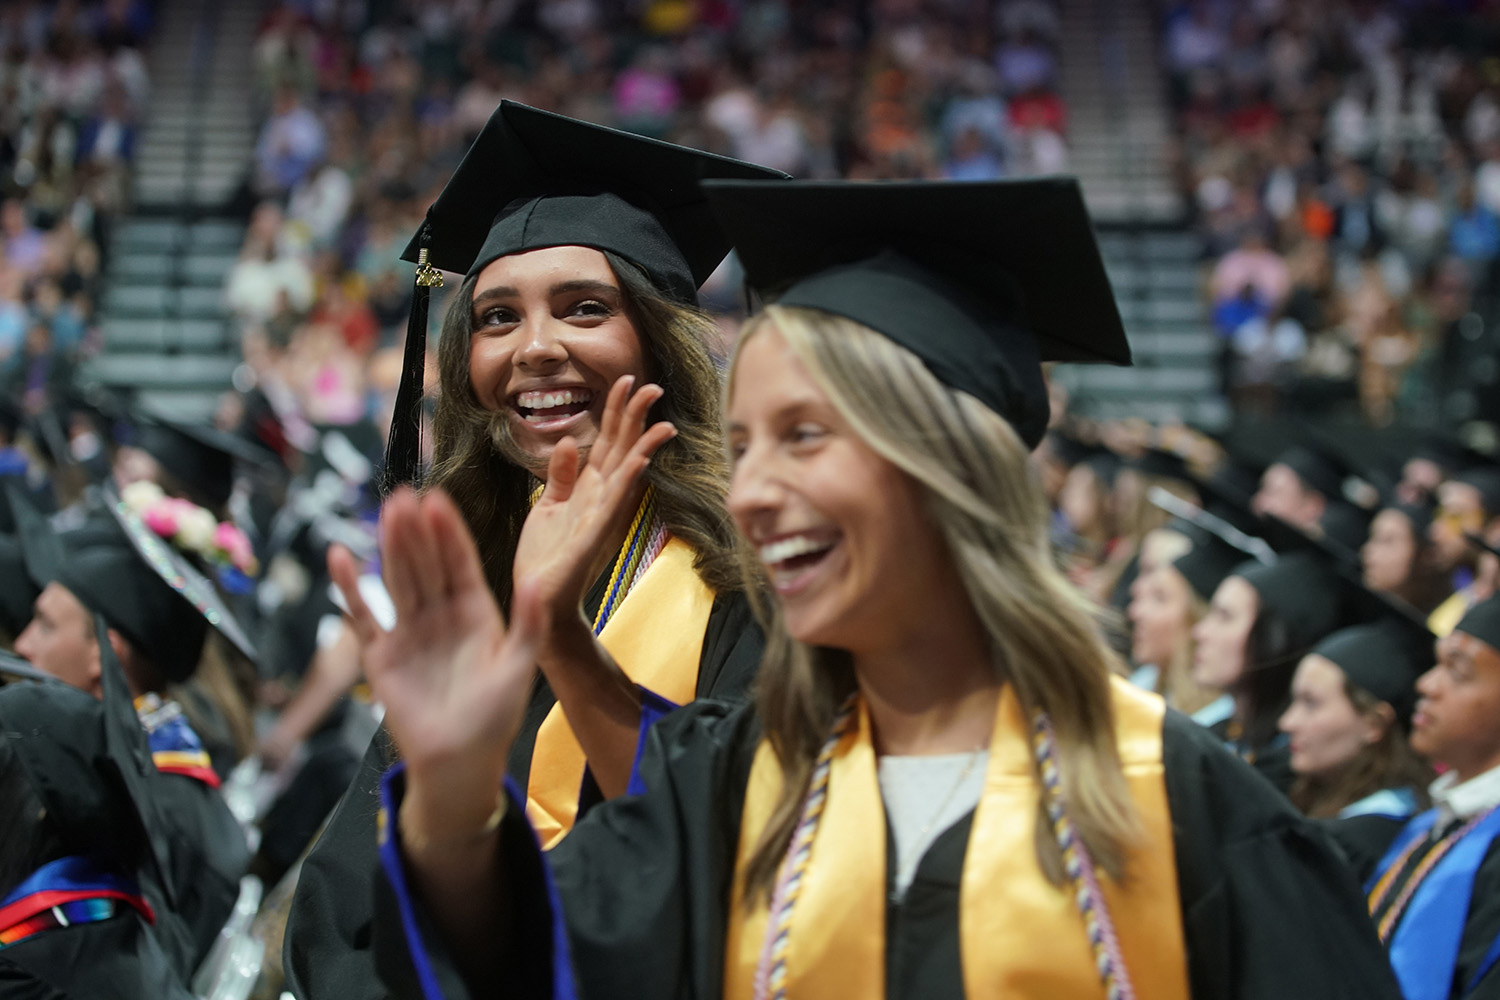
(142, 586)
(1482, 621)
(198, 457)
(982, 281)
(534, 179)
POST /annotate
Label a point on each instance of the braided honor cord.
(1108, 960)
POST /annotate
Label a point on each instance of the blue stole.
(1424, 947)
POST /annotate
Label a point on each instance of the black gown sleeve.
(1363, 840)
(120, 958)
(732, 646)
(1269, 908)
(643, 882)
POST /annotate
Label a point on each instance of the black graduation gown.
(115, 959)
(1269, 910)
(208, 855)
(1364, 840)
(328, 938)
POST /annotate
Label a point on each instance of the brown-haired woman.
(1352, 699)
(942, 789)
(578, 296)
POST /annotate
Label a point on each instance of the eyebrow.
(561, 288)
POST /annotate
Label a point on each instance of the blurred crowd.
(1342, 161)
(370, 105)
(73, 90)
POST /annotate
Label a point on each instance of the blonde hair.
(985, 500)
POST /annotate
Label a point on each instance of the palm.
(582, 508)
(453, 680)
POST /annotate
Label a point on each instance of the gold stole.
(656, 636)
(1020, 936)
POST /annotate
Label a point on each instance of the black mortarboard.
(17, 591)
(1302, 590)
(1482, 621)
(143, 587)
(1317, 468)
(1346, 527)
(199, 457)
(982, 281)
(1207, 563)
(534, 179)
(1384, 658)
(1419, 514)
(1161, 464)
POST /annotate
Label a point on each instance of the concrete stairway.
(167, 335)
(1119, 129)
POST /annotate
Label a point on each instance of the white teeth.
(546, 400)
(790, 548)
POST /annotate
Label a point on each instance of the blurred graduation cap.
(18, 585)
(1482, 621)
(535, 179)
(147, 590)
(1383, 657)
(1419, 514)
(1345, 527)
(1485, 478)
(1158, 463)
(982, 281)
(199, 458)
(1323, 471)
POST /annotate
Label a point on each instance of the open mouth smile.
(545, 409)
(793, 560)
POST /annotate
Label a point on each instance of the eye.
(591, 309)
(806, 433)
(495, 316)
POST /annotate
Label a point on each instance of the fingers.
(345, 573)
(623, 422)
(562, 471)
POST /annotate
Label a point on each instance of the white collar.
(1465, 800)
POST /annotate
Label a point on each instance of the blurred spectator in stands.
(23, 242)
(320, 203)
(270, 278)
(13, 316)
(645, 95)
(1025, 63)
(291, 144)
(972, 159)
(1474, 236)
(39, 375)
(1254, 266)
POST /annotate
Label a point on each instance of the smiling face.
(1325, 729)
(1457, 721)
(1388, 554)
(851, 553)
(1161, 615)
(551, 334)
(1222, 636)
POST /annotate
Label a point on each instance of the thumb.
(562, 471)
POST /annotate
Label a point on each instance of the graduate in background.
(158, 609)
(1347, 726)
(84, 899)
(1435, 895)
(583, 249)
(943, 789)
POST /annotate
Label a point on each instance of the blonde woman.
(941, 791)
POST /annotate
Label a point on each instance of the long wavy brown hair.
(1389, 762)
(987, 503)
(690, 472)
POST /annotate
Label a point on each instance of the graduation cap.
(1485, 479)
(1159, 463)
(1482, 621)
(19, 584)
(147, 590)
(199, 457)
(1345, 527)
(1419, 514)
(1318, 469)
(1302, 590)
(1208, 562)
(534, 179)
(982, 281)
(1384, 658)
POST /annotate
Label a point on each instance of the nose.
(754, 491)
(1427, 684)
(24, 647)
(543, 346)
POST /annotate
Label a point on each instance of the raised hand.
(583, 510)
(453, 679)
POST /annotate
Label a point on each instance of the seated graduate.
(583, 249)
(1166, 605)
(84, 902)
(1468, 507)
(1352, 699)
(1398, 558)
(1435, 895)
(1263, 618)
(158, 609)
(943, 789)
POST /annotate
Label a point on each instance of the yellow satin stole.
(656, 636)
(1019, 935)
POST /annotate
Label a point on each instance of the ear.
(1377, 722)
